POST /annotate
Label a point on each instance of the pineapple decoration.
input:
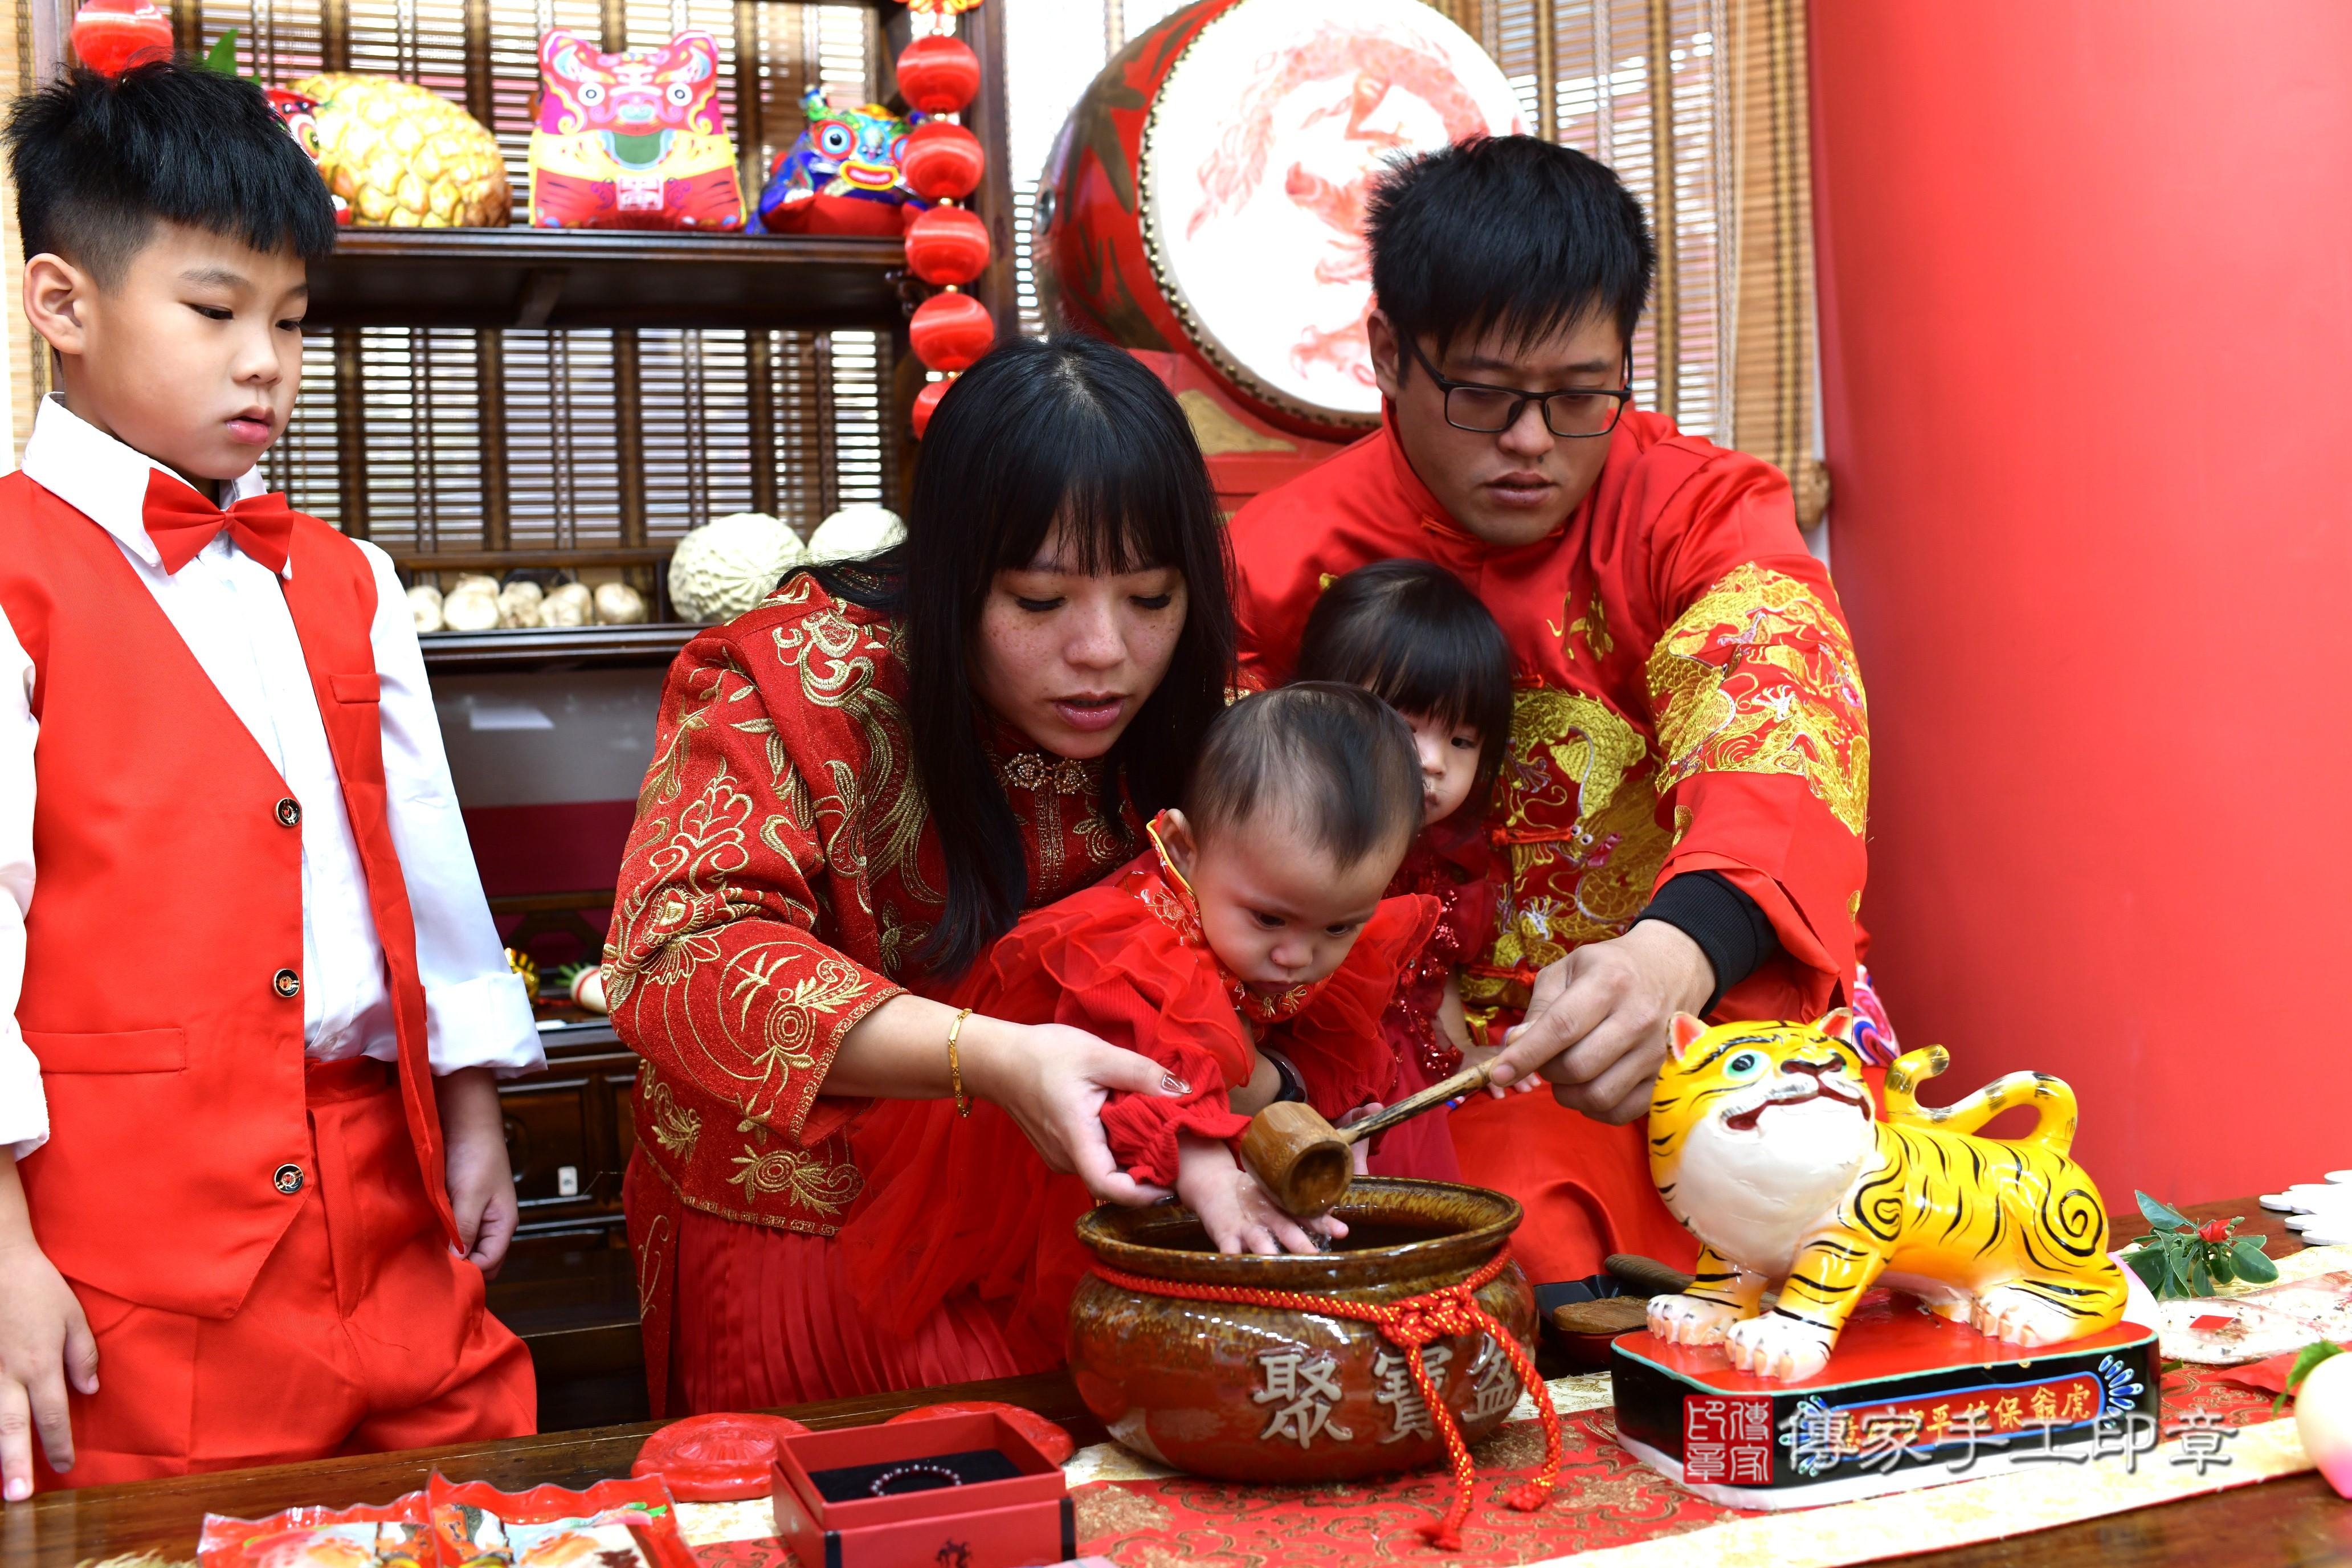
(403, 156)
(394, 154)
(948, 245)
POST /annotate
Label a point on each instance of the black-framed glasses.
(1490, 410)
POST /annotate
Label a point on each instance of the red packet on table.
(370, 1535)
(613, 1524)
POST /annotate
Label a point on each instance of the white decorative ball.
(731, 563)
(424, 605)
(855, 532)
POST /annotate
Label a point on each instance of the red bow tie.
(182, 522)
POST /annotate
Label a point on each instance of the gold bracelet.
(955, 1067)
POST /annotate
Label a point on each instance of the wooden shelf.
(522, 277)
(554, 649)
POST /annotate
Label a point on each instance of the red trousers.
(362, 1332)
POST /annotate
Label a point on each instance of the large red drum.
(1207, 195)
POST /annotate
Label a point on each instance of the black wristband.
(1294, 1088)
(1729, 927)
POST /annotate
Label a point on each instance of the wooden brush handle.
(1468, 1080)
(1647, 1276)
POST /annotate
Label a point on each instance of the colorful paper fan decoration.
(941, 163)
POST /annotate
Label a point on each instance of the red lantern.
(951, 331)
(942, 7)
(110, 37)
(942, 162)
(927, 401)
(947, 244)
(939, 74)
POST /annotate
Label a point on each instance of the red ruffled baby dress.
(963, 1203)
(1448, 864)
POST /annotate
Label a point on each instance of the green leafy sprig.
(2182, 1258)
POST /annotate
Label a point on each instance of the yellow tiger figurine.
(1762, 1142)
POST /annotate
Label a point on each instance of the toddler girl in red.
(1410, 633)
(1252, 946)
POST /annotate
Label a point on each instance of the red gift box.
(1020, 1521)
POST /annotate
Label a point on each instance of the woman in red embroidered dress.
(857, 787)
(1254, 923)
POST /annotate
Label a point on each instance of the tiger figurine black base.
(1763, 1141)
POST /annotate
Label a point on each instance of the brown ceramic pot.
(1261, 1394)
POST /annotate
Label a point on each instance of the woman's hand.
(1236, 1209)
(1053, 1081)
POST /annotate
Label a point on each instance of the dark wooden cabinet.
(568, 1287)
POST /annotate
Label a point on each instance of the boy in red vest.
(251, 999)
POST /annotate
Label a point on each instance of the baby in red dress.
(1409, 632)
(1256, 928)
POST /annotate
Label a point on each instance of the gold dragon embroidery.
(1759, 677)
(1579, 830)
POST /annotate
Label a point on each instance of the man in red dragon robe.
(1679, 823)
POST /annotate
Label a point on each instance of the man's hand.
(44, 1343)
(481, 1183)
(1596, 1026)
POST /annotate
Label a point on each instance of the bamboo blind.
(1710, 93)
(445, 440)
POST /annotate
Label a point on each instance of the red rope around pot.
(1410, 1324)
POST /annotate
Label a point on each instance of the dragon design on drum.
(1369, 66)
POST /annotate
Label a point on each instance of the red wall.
(2087, 339)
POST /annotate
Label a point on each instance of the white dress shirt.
(234, 619)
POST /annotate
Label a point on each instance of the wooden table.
(2294, 1522)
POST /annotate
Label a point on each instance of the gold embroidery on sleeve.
(1759, 677)
(1579, 830)
(835, 660)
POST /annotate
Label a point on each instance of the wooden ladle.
(1303, 1160)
